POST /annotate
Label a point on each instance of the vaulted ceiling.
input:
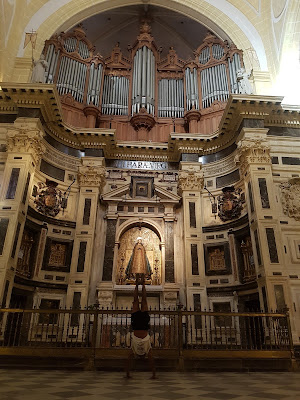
(169, 28)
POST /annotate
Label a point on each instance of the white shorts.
(140, 346)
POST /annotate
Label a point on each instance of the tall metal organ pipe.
(71, 78)
(115, 95)
(214, 85)
(143, 84)
(191, 85)
(171, 98)
(94, 84)
(234, 65)
(51, 58)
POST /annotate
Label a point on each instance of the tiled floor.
(24, 384)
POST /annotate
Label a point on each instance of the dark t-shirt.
(140, 321)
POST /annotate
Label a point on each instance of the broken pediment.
(117, 194)
(166, 195)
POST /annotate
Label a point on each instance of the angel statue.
(40, 67)
(244, 86)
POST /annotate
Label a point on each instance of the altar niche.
(139, 252)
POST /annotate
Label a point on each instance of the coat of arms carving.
(48, 199)
(230, 204)
(291, 198)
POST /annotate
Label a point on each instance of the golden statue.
(138, 263)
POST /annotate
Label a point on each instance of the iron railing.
(177, 330)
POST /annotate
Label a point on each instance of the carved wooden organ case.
(143, 96)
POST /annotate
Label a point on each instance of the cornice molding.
(44, 97)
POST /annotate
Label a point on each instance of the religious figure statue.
(40, 67)
(244, 86)
(138, 263)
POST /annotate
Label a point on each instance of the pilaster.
(254, 161)
(24, 151)
(190, 184)
(91, 178)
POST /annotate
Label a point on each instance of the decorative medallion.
(231, 203)
(48, 199)
(291, 198)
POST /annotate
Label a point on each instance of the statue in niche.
(138, 263)
(244, 86)
(40, 67)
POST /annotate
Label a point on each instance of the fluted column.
(24, 150)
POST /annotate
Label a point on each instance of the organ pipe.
(170, 98)
(192, 96)
(234, 65)
(143, 82)
(214, 85)
(70, 57)
(115, 95)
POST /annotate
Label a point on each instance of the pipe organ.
(122, 86)
(170, 98)
(115, 95)
(143, 81)
(191, 88)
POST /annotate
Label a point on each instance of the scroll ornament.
(190, 180)
(291, 198)
(254, 151)
(92, 176)
(26, 141)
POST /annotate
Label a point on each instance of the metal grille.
(181, 330)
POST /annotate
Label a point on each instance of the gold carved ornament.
(216, 260)
(57, 255)
(26, 141)
(190, 180)
(92, 176)
(256, 151)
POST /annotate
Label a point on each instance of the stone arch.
(137, 222)
(229, 18)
